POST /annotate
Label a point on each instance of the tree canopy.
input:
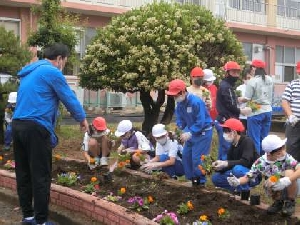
(54, 26)
(13, 55)
(146, 48)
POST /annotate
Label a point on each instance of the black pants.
(293, 140)
(33, 157)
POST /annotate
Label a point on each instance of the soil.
(206, 201)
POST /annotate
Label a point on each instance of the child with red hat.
(240, 156)
(96, 144)
(193, 119)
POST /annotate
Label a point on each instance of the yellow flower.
(57, 157)
(190, 205)
(1, 158)
(94, 179)
(221, 211)
(122, 190)
(203, 218)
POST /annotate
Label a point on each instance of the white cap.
(123, 127)
(12, 98)
(272, 142)
(158, 130)
(208, 75)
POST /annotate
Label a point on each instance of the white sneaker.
(103, 161)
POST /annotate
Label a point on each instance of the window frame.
(9, 19)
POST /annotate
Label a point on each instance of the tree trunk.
(151, 109)
(169, 111)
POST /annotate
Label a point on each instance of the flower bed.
(151, 198)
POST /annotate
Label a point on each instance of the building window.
(11, 25)
(286, 58)
(249, 5)
(288, 8)
(247, 47)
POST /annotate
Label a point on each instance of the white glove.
(148, 167)
(246, 111)
(281, 184)
(219, 164)
(92, 166)
(293, 120)
(185, 136)
(233, 181)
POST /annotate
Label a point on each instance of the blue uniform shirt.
(192, 115)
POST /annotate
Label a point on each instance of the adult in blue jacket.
(193, 119)
(227, 104)
(42, 87)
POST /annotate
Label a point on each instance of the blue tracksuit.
(40, 102)
(240, 159)
(192, 116)
(227, 107)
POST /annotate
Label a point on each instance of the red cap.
(234, 124)
(176, 86)
(258, 63)
(99, 123)
(298, 67)
(197, 72)
(231, 65)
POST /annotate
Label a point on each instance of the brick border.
(91, 206)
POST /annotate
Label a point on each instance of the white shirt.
(87, 137)
(170, 148)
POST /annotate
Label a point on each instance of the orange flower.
(150, 199)
(203, 218)
(92, 160)
(202, 157)
(190, 205)
(122, 190)
(127, 161)
(57, 157)
(1, 158)
(94, 179)
(221, 211)
(273, 179)
(121, 164)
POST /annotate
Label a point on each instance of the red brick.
(113, 217)
(101, 211)
(54, 195)
(125, 221)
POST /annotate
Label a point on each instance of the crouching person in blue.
(241, 155)
(280, 171)
(166, 156)
(193, 119)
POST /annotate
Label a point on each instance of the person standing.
(197, 89)
(259, 91)
(208, 83)
(9, 110)
(42, 86)
(242, 89)
(291, 107)
(193, 119)
(241, 156)
(227, 105)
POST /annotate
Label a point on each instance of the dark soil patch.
(168, 197)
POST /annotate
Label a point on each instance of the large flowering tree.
(144, 49)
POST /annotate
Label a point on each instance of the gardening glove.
(281, 184)
(293, 120)
(233, 181)
(246, 111)
(185, 136)
(151, 166)
(219, 164)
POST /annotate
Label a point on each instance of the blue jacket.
(192, 115)
(227, 101)
(41, 88)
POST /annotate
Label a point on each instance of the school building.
(268, 29)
